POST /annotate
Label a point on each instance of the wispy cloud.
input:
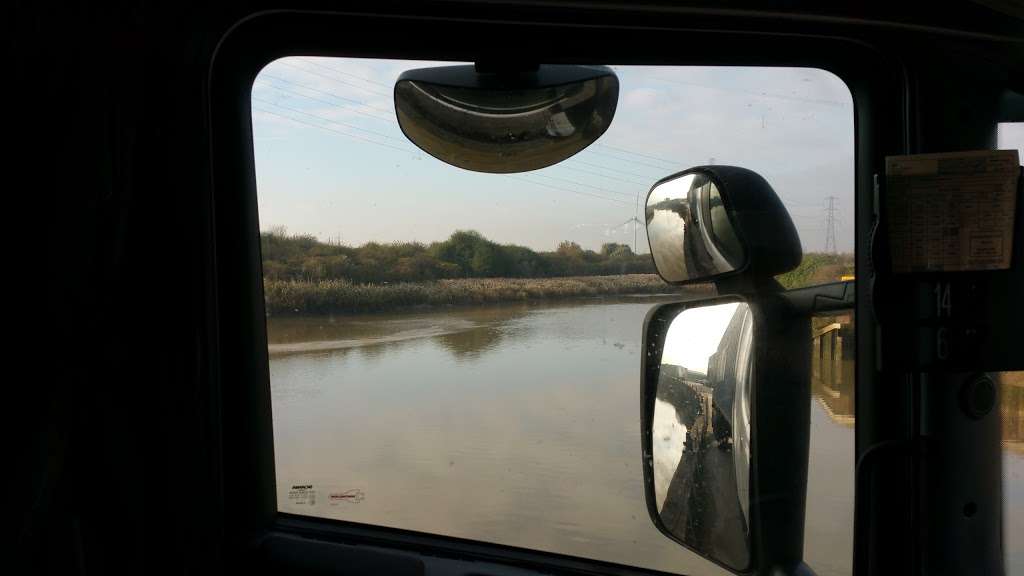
(794, 126)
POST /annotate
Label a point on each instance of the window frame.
(878, 85)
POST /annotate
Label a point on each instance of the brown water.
(516, 424)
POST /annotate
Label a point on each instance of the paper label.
(953, 211)
(302, 495)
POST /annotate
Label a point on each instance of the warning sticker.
(953, 211)
(351, 496)
(302, 494)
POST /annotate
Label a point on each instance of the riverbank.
(289, 297)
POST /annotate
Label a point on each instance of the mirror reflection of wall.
(701, 429)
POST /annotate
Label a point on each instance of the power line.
(588, 172)
(332, 69)
(584, 184)
(333, 79)
(640, 154)
(795, 204)
(335, 104)
(565, 189)
(609, 169)
(580, 192)
(388, 114)
(331, 120)
(592, 173)
(355, 136)
(390, 118)
(631, 161)
(823, 101)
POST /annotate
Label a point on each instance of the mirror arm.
(507, 68)
(782, 443)
(747, 284)
(833, 297)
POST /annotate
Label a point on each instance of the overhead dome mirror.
(505, 119)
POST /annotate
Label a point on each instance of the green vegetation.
(818, 268)
(305, 276)
(466, 254)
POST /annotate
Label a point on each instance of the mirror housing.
(712, 222)
(739, 418)
(505, 119)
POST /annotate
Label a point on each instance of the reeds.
(285, 297)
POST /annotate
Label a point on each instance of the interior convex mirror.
(713, 222)
(700, 434)
(505, 119)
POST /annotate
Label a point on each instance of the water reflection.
(1011, 409)
(528, 437)
(523, 429)
(829, 488)
(469, 344)
(833, 379)
(464, 332)
(831, 451)
(832, 366)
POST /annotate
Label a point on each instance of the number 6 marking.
(942, 343)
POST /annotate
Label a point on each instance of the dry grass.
(341, 296)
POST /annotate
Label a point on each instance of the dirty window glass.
(458, 353)
(1011, 411)
(1010, 135)
(828, 540)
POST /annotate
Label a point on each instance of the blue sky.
(332, 162)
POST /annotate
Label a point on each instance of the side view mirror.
(700, 433)
(725, 418)
(505, 119)
(713, 222)
(725, 409)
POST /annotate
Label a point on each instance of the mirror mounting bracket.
(502, 68)
(747, 284)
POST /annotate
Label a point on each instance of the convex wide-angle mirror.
(712, 222)
(505, 118)
(725, 422)
(700, 434)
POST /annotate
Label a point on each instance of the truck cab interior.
(160, 439)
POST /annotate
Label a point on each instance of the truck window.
(458, 353)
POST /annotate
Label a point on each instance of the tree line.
(465, 254)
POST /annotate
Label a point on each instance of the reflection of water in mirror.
(689, 231)
(668, 438)
(667, 208)
(532, 440)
